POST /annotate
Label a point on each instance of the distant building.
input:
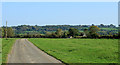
(84, 35)
(70, 37)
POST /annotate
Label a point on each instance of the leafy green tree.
(119, 34)
(53, 35)
(73, 32)
(10, 32)
(65, 34)
(93, 31)
(47, 34)
(59, 33)
(0, 32)
(102, 25)
(86, 32)
(3, 32)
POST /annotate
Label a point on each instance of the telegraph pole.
(6, 30)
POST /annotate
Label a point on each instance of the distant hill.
(27, 29)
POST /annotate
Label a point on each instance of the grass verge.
(0, 51)
(6, 48)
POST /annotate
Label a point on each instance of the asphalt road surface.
(24, 51)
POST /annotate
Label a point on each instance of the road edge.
(49, 54)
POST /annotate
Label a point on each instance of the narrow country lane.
(24, 51)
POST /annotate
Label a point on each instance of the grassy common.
(6, 48)
(0, 50)
(80, 50)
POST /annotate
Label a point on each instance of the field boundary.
(48, 53)
(9, 52)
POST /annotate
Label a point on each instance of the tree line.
(91, 32)
(27, 29)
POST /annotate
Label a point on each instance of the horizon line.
(58, 25)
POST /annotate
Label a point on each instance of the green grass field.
(109, 29)
(80, 50)
(6, 48)
(0, 50)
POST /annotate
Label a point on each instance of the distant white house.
(70, 37)
(84, 35)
